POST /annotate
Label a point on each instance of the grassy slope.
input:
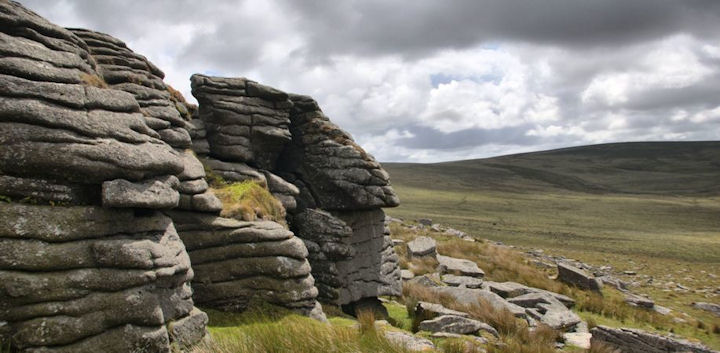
(651, 207)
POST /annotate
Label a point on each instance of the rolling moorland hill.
(649, 211)
(659, 168)
(656, 199)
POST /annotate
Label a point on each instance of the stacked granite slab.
(163, 109)
(332, 189)
(88, 262)
(236, 262)
(337, 176)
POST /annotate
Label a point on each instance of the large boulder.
(126, 286)
(69, 144)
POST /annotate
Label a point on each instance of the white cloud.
(514, 95)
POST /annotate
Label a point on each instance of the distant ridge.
(682, 168)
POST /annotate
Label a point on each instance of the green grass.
(248, 200)
(267, 329)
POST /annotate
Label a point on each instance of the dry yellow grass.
(93, 80)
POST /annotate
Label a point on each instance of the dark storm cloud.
(339, 52)
(392, 27)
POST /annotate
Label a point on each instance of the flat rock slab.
(634, 340)
(434, 309)
(637, 300)
(456, 324)
(157, 193)
(421, 247)
(462, 281)
(467, 296)
(713, 308)
(507, 289)
(462, 267)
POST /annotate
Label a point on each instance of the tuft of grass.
(175, 95)
(249, 201)
(275, 331)
(93, 80)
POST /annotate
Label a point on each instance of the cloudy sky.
(428, 80)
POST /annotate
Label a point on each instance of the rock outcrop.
(236, 262)
(333, 190)
(87, 260)
(105, 201)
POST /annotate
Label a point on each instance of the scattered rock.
(463, 267)
(711, 307)
(406, 275)
(636, 300)
(422, 247)
(577, 277)
(425, 221)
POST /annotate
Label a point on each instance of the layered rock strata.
(236, 262)
(164, 110)
(335, 175)
(332, 189)
(87, 262)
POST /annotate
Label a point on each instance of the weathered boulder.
(70, 143)
(339, 174)
(126, 285)
(577, 277)
(422, 247)
(236, 262)
(244, 121)
(456, 324)
(471, 297)
(456, 266)
(637, 300)
(164, 110)
(634, 340)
